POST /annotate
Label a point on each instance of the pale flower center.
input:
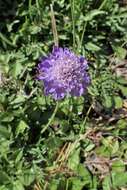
(65, 70)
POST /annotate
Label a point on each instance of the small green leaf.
(118, 166)
(54, 184)
(90, 15)
(19, 155)
(92, 47)
(122, 124)
(28, 176)
(76, 183)
(106, 183)
(6, 117)
(121, 80)
(119, 179)
(22, 126)
(115, 147)
(107, 102)
(120, 52)
(74, 159)
(19, 99)
(16, 69)
(4, 178)
(17, 185)
(4, 132)
(84, 174)
(123, 90)
(89, 147)
(118, 102)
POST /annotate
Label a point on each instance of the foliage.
(85, 145)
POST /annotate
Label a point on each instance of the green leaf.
(106, 183)
(107, 101)
(76, 183)
(16, 69)
(118, 102)
(54, 184)
(122, 124)
(123, 89)
(17, 185)
(121, 80)
(4, 187)
(74, 159)
(92, 47)
(22, 126)
(115, 147)
(4, 147)
(120, 52)
(89, 147)
(19, 99)
(119, 179)
(4, 132)
(4, 178)
(19, 155)
(118, 166)
(90, 15)
(84, 174)
(28, 176)
(6, 117)
(7, 41)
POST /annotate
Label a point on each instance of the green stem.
(51, 118)
(6, 40)
(102, 4)
(73, 21)
(30, 5)
(54, 30)
(67, 184)
(83, 32)
(87, 114)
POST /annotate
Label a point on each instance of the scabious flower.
(63, 73)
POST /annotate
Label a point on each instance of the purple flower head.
(63, 73)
